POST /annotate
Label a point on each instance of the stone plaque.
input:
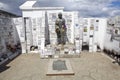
(59, 65)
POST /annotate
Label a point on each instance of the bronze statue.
(60, 28)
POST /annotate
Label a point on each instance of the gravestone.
(59, 65)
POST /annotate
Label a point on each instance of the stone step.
(61, 56)
(66, 56)
(69, 56)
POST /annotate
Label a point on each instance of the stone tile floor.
(90, 66)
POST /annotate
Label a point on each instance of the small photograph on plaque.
(85, 29)
(91, 35)
(91, 28)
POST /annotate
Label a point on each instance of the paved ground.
(88, 67)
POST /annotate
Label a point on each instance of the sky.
(86, 8)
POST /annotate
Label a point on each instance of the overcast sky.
(86, 8)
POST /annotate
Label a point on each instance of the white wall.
(37, 13)
(99, 35)
(32, 13)
(101, 32)
(111, 45)
(19, 25)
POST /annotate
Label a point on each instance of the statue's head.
(60, 15)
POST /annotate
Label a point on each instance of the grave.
(58, 67)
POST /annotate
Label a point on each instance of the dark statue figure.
(60, 28)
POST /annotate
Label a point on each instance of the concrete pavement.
(90, 66)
